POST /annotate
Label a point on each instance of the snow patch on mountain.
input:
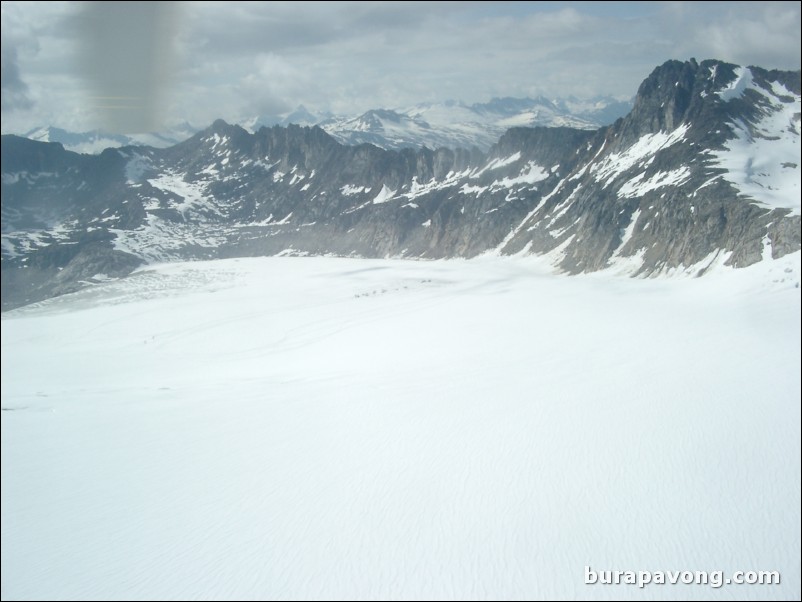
(192, 195)
(736, 88)
(637, 186)
(385, 194)
(530, 174)
(641, 152)
(497, 163)
(350, 190)
(756, 159)
(416, 189)
(628, 231)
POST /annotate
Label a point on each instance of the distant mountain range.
(96, 141)
(703, 171)
(455, 124)
(450, 124)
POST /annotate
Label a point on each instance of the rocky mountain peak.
(703, 171)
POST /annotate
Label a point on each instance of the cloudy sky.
(65, 63)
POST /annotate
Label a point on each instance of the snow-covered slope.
(317, 428)
(756, 160)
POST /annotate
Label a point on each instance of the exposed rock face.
(705, 168)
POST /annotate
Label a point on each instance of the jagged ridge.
(659, 190)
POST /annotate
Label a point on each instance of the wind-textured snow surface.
(350, 429)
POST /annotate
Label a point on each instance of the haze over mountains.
(451, 124)
(454, 124)
(97, 141)
(704, 170)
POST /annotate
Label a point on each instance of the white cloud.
(769, 36)
(240, 58)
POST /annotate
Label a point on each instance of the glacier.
(319, 427)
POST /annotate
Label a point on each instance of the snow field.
(345, 428)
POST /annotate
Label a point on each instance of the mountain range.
(703, 171)
(450, 124)
(455, 124)
(96, 141)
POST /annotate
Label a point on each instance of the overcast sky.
(239, 59)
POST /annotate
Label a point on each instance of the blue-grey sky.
(239, 59)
